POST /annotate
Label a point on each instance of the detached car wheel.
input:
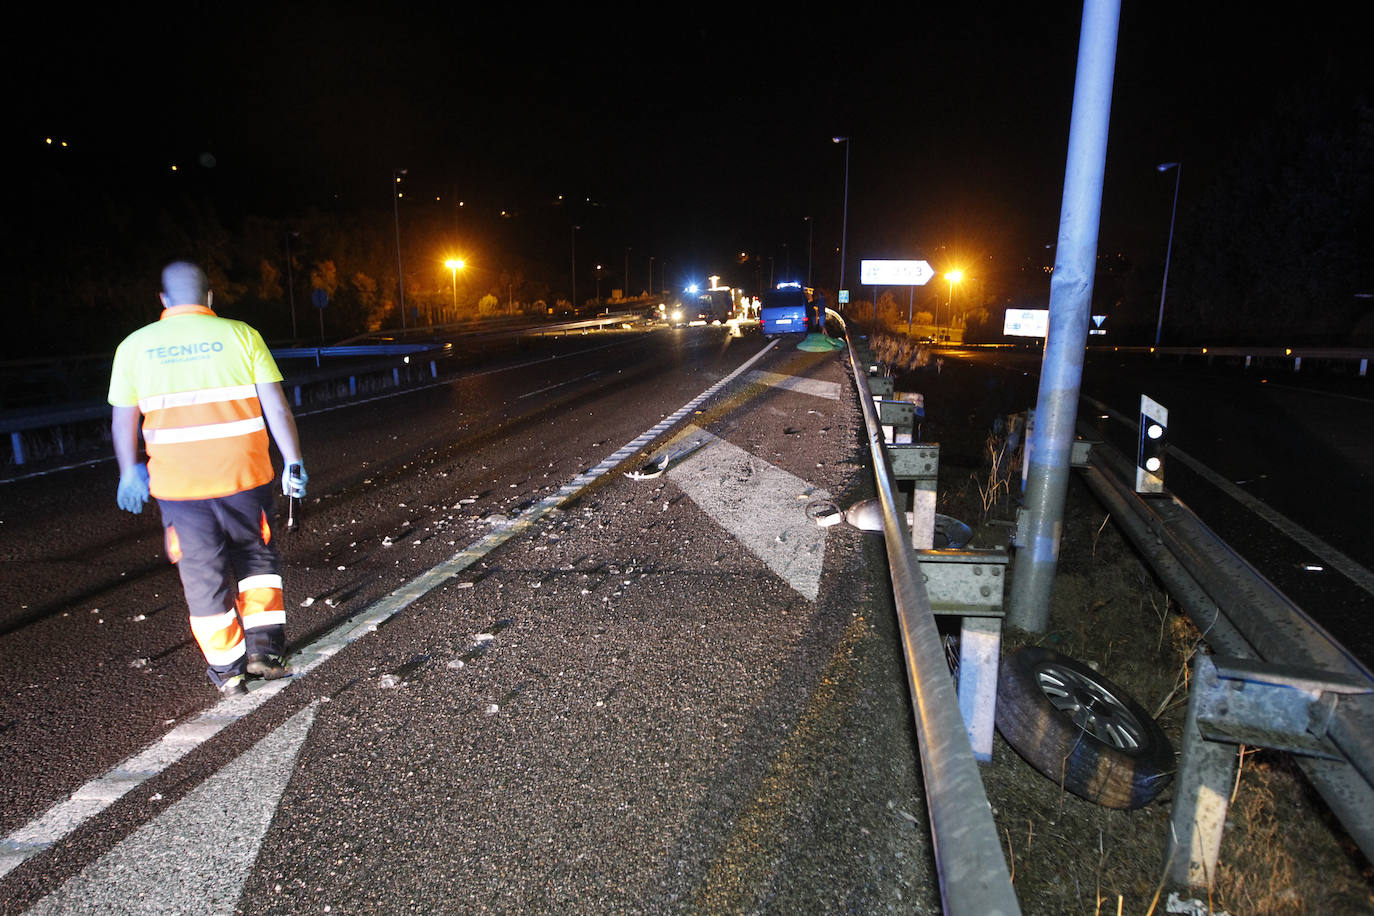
(1081, 730)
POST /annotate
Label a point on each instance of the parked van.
(785, 310)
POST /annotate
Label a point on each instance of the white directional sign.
(895, 273)
(1026, 323)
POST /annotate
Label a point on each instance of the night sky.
(693, 132)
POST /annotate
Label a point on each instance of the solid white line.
(103, 791)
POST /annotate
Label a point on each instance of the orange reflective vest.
(193, 375)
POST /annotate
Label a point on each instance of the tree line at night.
(1276, 246)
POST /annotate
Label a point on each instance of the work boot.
(235, 686)
(268, 667)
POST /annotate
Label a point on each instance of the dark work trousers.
(223, 550)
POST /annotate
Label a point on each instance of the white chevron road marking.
(757, 503)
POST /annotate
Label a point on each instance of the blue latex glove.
(293, 480)
(133, 489)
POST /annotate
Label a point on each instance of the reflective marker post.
(1071, 288)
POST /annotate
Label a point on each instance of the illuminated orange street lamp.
(954, 276)
(455, 265)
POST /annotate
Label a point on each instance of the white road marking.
(829, 390)
(757, 503)
(100, 793)
(559, 385)
(195, 856)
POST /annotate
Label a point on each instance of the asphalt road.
(529, 683)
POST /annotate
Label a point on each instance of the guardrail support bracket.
(970, 583)
(1235, 701)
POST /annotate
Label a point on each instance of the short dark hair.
(184, 283)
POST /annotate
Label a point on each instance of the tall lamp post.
(810, 237)
(954, 276)
(844, 222)
(1168, 252)
(455, 265)
(396, 209)
(574, 268)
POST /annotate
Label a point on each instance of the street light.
(954, 276)
(1178, 177)
(810, 237)
(455, 265)
(844, 223)
(574, 268)
(396, 208)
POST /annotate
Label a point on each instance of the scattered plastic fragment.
(658, 464)
(1193, 907)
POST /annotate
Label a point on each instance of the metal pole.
(1071, 288)
(810, 237)
(396, 209)
(574, 270)
(844, 222)
(1168, 252)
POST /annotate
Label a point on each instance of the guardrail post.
(1364, 367)
(1236, 701)
(1206, 772)
(352, 385)
(920, 464)
(433, 369)
(971, 584)
(396, 376)
(297, 396)
(894, 417)
(17, 447)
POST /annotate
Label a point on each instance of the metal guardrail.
(63, 424)
(23, 426)
(1244, 616)
(1292, 355)
(973, 873)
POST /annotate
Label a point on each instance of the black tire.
(1081, 730)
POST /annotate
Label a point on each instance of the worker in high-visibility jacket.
(208, 392)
